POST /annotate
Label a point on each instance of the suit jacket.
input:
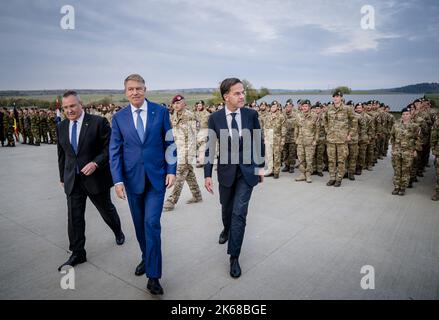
(131, 160)
(92, 146)
(251, 145)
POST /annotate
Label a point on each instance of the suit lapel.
(84, 128)
(223, 120)
(149, 120)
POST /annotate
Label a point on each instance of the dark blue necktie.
(140, 129)
(234, 123)
(73, 140)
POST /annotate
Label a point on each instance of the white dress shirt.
(229, 118)
(143, 114)
(78, 127)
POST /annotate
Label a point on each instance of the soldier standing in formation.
(289, 152)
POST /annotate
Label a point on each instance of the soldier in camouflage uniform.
(21, 126)
(8, 125)
(370, 152)
(306, 135)
(319, 157)
(202, 116)
(44, 127)
(2, 130)
(434, 144)
(51, 122)
(338, 127)
(184, 129)
(274, 135)
(35, 126)
(390, 122)
(351, 160)
(406, 141)
(418, 118)
(364, 132)
(27, 126)
(289, 153)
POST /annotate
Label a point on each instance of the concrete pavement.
(303, 241)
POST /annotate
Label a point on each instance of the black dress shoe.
(140, 269)
(73, 261)
(224, 236)
(120, 239)
(235, 269)
(154, 286)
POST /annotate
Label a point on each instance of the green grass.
(120, 99)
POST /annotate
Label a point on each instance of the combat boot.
(276, 176)
(292, 169)
(194, 200)
(395, 191)
(330, 183)
(435, 197)
(358, 171)
(308, 177)
(301, 177)
(351, 176)
(401, 192)
(168, 206)
(286, 168)
(369, 168)
(337, 183)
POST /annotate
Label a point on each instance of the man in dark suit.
(240, 164)
(143, 163)
(84, 172)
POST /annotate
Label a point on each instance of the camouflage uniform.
(380, 132)
(306, 135)
(364, 133)
(274, 136)
(390, 123)
(289, 152)
(8, 125)
(202, 118)
(21, 126)
(434, 144)
(370, 153)
(338, 124)
(417, 164)
(184, 130)
(44, 127)
(27, 128)
(52, 128)
(319, 158)
(351, 161)
(35, 128)
(405, 139)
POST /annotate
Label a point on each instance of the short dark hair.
(227, 84)
(69, 93)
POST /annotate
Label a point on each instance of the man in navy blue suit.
(240, 164)
(143, 165)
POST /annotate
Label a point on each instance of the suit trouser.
(234, 203)
(76, 202)
(146, 211)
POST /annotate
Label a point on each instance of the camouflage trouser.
(305, 154)
(337, 153)
(361, 160)
(201, 145)
(416, 166)
(351, 161)
(381, 146)
(185, 172)
(36, 134)
(273, 154)
(402, 163)
(425, 154)
(386, 144)
(29, 135)
(10, 137)
(53, 137)
(318, 162)
(289, 154)
(370, 153)
(44, 134)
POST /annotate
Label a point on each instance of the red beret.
(178, 97)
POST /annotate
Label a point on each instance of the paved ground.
(303, 241)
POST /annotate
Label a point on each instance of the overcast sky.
(197, 43)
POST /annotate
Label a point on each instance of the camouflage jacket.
(306, 129)
(185, 134)
(434, 138)
(338, 123)
(405, 137)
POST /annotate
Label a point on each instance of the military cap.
(305, 101)
(337, 93)
(407, 109)
(178, 97)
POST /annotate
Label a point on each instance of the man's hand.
(415, 153)
(170, 179)
(120, 191)
(348, 138)
(208, 184)
(89, 168)
(261, 175)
